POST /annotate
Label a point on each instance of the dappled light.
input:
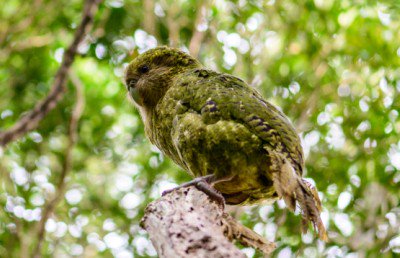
(332, 66)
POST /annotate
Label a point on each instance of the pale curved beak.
(134, 93)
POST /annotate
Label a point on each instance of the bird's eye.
(144, 69)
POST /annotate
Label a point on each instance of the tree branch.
(198, 34)
(173, 24)
(31, 120)
(149, 19)
(246, 236)
(66, 167)
(187, 223)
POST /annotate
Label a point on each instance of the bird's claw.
(202, 184)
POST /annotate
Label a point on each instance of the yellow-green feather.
(212, 123)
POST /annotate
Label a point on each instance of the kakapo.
(218, 128)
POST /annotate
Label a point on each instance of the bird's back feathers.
(212, 123)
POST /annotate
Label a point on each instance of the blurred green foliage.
(332, 66)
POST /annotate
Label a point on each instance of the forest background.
(78, 187)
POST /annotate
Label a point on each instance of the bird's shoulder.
(198, 85)
(220, 97)
(203, 91)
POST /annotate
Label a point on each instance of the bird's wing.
(207, 97)
(224, 97)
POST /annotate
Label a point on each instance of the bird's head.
(149, 75)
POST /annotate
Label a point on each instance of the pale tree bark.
(198, 34)
(149, 19)
(186, 223)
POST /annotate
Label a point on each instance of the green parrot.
(221, 131)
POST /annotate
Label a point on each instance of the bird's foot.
(204, 185)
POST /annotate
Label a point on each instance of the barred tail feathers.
(295, 190)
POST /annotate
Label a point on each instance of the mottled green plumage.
(213, 123)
